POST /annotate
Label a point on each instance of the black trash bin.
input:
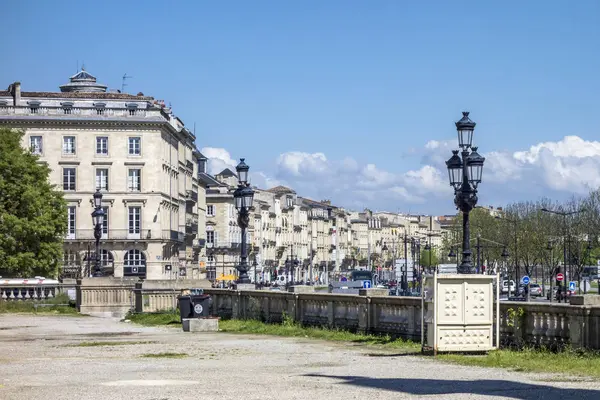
(185, 307)
(200, 305)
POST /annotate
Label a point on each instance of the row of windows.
(134, 179)
(134, 221)
(69, 147)
(134, 262)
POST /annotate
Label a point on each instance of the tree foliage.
(528, 233)
(33, 215)
(428, 258)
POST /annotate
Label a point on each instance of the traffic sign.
(525, 280)
(572, 285)
(560, 277)
(366, 284)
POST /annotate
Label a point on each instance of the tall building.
(139, 155)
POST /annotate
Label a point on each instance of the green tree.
(33, 215)
(428, 257)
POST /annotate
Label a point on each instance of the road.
(40, 359)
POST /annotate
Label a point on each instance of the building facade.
(139, 155)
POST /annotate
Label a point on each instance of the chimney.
(16, 93)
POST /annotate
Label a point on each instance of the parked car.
(535, 290)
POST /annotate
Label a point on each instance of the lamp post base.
(465, 269)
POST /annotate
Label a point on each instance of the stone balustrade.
(31, 292)
(552, 325)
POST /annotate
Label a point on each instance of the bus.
(361, 276)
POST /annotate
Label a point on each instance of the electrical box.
(458, 312)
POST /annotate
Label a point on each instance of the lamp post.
(428, 250)
(562, 287)
(255, 266)
(465, 176)
(384, 248)
(98, 220)
(243, 196)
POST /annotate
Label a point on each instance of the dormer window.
(100, 108)
(34, 106)
(131, 108)
(202, 165)
(67, 107)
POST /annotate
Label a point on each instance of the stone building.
(138, 154)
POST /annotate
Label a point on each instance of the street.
(69, 358)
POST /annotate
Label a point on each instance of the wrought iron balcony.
(126, 235)
(191, 196)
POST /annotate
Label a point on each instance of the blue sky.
(363, 82)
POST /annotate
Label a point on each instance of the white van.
(505, 286)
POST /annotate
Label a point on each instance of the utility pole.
(405, 272)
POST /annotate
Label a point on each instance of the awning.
(226, 277)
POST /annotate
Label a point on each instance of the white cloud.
(571, 165)
(218, 159)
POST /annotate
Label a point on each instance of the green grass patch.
(113, 343)
(155, 319)
(164, 355)
(532, 360)
(290, 329)
(28, 306)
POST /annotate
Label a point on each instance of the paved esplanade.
(38, 361)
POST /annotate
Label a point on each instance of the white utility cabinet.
(457, 312)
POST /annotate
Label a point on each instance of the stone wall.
(552, 325)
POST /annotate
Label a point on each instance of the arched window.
(134, 263)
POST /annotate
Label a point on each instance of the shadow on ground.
(484, 387)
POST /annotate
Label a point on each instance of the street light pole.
(562, 287)
(465, 175)
(243, 196)
(98, 219)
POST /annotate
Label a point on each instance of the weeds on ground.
(113, 343)
(292, 329)
(567, 361)
(155, 319)
(164, 355)
(28, 306)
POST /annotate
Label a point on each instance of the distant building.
(138, 154)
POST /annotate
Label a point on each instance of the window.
(69, 145)
(135, 146)
(102, 145)
(202, 166)
(211, 238)
(68, 178)
(102, 179)
(134, 180)
(35, 144)
(105, 223)
(134, 223)
(134, 263)
(210, 211)
(71, 223)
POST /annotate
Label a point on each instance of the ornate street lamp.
(98, 220)
(465, 173)
(243, 196)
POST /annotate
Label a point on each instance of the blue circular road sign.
(525, 280)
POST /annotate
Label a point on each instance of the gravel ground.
(39, 359)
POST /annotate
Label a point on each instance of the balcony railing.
(190, 195)
(77, 112)
(199, 243)
(126, 234)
